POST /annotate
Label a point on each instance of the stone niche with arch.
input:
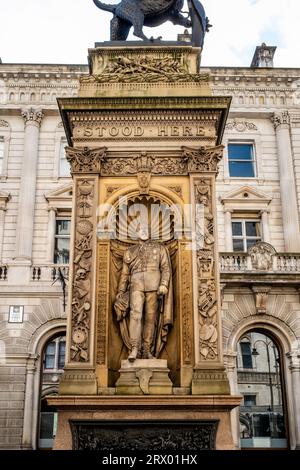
(162, 204)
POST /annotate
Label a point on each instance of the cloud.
(61, 31)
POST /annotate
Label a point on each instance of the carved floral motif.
(241, 126)
(3, 123)
(85, 160)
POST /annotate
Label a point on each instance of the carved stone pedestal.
(144, 377)
(145, 131)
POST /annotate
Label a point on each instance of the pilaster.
(290, 214)
(79, 377)
(32, 119)
(294, 358)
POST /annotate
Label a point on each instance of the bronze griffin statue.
(139, 13)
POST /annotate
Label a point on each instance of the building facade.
(258, 203)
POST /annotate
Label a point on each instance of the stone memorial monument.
(144, 354)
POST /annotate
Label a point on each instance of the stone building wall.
(257, 95)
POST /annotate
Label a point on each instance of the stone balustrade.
(50, 273)
(243, 262)
(3, 273)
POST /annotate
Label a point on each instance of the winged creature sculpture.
(139, 13)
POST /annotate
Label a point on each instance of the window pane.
(253, 229)
(61, 357)
(249, 400)
(49, 362)
(246, 355)
(251, 242)
(1, 155)
(62, 251)
(63, 227)
(46, 429)
(237, 229)
(241, 169)
(240, 151)
(64, 165)
(238, 244)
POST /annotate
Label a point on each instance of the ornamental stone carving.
(190, 161)
(207, 290)
(280, 118)
(262, 256)
(241, 126)
(85, 160)
(114, 435)
(32, 116)
(203, 159)
(82, 276)
(3, 123)
(142, 69)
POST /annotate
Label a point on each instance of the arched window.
(52, 369)
(262, 412)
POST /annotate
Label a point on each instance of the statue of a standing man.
(146, 280)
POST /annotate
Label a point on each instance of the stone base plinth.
(207, 417)
(144, 377)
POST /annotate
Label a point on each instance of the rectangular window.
(249, 400)
(62, 241)
(246, 351)
(64, 165)
(50, 356)
(1, 155)
(61, 354)
(245, 234)
(241, 160)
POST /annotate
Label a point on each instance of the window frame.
(63, 144)
(57, 341)
(5, 136)
(61, 216)
(244, 236)
(253, 160)
(60, 139)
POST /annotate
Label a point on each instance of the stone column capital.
(52, 209)
(32, 116)
(280, 119)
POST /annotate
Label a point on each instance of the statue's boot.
(133, 355)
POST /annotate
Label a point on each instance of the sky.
(61, 31)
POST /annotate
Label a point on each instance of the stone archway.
(285, 340)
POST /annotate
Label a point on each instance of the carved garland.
(207, 295)
(191, 160)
